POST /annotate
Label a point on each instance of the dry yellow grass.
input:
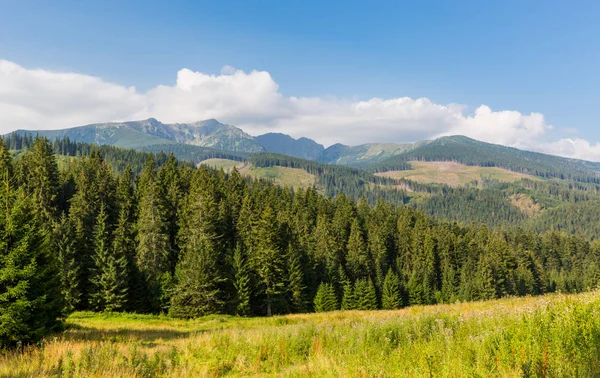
(553, 335)
(526, 204)
(283, 176)
(453, 174)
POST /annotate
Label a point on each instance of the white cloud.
(41, 99)
(575, 148)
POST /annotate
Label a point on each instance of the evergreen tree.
(41, 179)
(242, 282)
(200, 276)
(365, 295)
(325, 299)
(357, 258)
(171, 196)
(348, 298)
(266, 257)
(152, 249)
(68, 267)
(95, 187)
(296, 280)
(391, 297)
(196, 292)
(30, 301)
(109, 280)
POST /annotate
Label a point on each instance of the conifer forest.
(157, 236)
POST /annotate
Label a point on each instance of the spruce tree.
(296, 280)
(325, 299)
(242, 282)
(171, 196)
(109, 278)
(65, 247)
(357, 258)
(30, 302)
(266, 257)
(365, 295)
(348, 298)
(152, 249)
(391, 297)
(41, 179)
(204, 264)
(196, 290)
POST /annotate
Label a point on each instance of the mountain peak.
(284, 144)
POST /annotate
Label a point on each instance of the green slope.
(363, 155)
(468, 151)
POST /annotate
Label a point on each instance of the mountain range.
(188, 140)
(454, 178)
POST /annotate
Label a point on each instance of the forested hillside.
(471, 152)
(563, 205)
(192, 241)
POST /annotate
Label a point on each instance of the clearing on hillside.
(453, 174)
(284, 176)
(225, 164)
(554, 335)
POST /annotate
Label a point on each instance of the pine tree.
(296, 280)
(68, 267)
(242, 282)
(41, 179)
(95, 187)
(485, 280)
(325, 299)
(357, 258)
(109, 279)
(365, 295)
(196, 292)
(152, 249)
(30, 301)
(266, 257)
(391, 297)
(6, 165)
(171, 196)
(123, 247)
(415, 289)
(348, 298)
(201, 272)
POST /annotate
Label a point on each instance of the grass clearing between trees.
(554, 335)
(453, 174)
(291, 177)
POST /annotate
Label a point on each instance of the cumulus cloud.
(41, 99)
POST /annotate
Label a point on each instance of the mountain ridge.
(189, 138)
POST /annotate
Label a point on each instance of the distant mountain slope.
(364, 154)
(303, 148)
(137, 134)
(468, 151)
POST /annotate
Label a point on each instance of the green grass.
(453, 174)
(284, 176)
(224, 164)
(549, 336)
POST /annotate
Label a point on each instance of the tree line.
(190, 241)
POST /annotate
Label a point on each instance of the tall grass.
(550, 336)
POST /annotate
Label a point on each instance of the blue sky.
(523, 56)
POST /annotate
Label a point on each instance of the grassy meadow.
(283, 176)
(453, 174)
(549, 336)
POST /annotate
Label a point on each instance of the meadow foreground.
(553, 335)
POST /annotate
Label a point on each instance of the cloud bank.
(41, 99)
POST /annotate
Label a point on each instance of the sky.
(518, 73)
